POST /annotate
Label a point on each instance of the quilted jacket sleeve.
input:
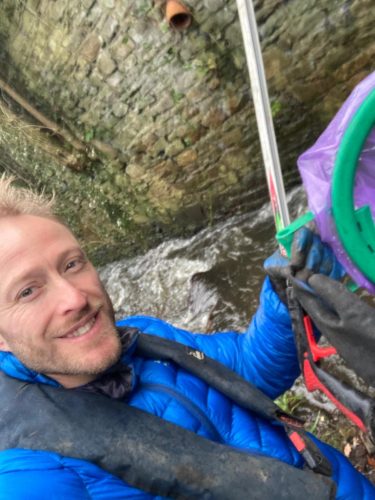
(40, 475)
(265, 355)
(269, 346)
(351, 485)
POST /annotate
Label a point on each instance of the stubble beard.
(54, 363)
(83, 365)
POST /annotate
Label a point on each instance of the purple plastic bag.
(316, 166)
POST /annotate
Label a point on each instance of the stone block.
(106, 65)
(115, 81)
(57, 10)
(120, 110)
(109, 29)
(110, 4)
(187, 157)
(122, 49)
(87, 4)
(135, 171)
(214, 118)
(90, 47)
(214, 5)
(174, 148)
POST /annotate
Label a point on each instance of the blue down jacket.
(265, 355)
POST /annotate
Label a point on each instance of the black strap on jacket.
(238, 390)
(145, 451)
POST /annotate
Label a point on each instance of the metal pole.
(263, 113)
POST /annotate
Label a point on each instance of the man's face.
(55, 315)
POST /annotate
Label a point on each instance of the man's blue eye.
(26, 293)
(73, 264)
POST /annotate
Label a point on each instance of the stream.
(209, 282)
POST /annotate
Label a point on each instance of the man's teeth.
(82, 329)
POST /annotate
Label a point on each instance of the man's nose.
(70, 296)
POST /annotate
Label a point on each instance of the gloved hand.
(346, 320)
(309, 255)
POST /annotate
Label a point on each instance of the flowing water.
(209, 282)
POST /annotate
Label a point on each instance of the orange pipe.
(178, 15)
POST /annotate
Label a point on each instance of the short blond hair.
(23, 201)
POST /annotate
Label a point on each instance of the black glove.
(309, 255)
(346, 321)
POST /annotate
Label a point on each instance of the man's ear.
(3, 344)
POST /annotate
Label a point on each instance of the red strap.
(316, 351)
(298, 442)
(313, 384)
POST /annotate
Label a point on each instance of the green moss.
(276, 108)
(144, 7)
(164, 27)
(177, 96)
(290, 402)
(89, 135)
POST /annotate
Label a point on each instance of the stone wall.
(150, 131)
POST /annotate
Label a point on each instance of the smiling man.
(56, 317)
(59, 343)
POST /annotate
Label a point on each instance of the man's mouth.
(82, 329)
